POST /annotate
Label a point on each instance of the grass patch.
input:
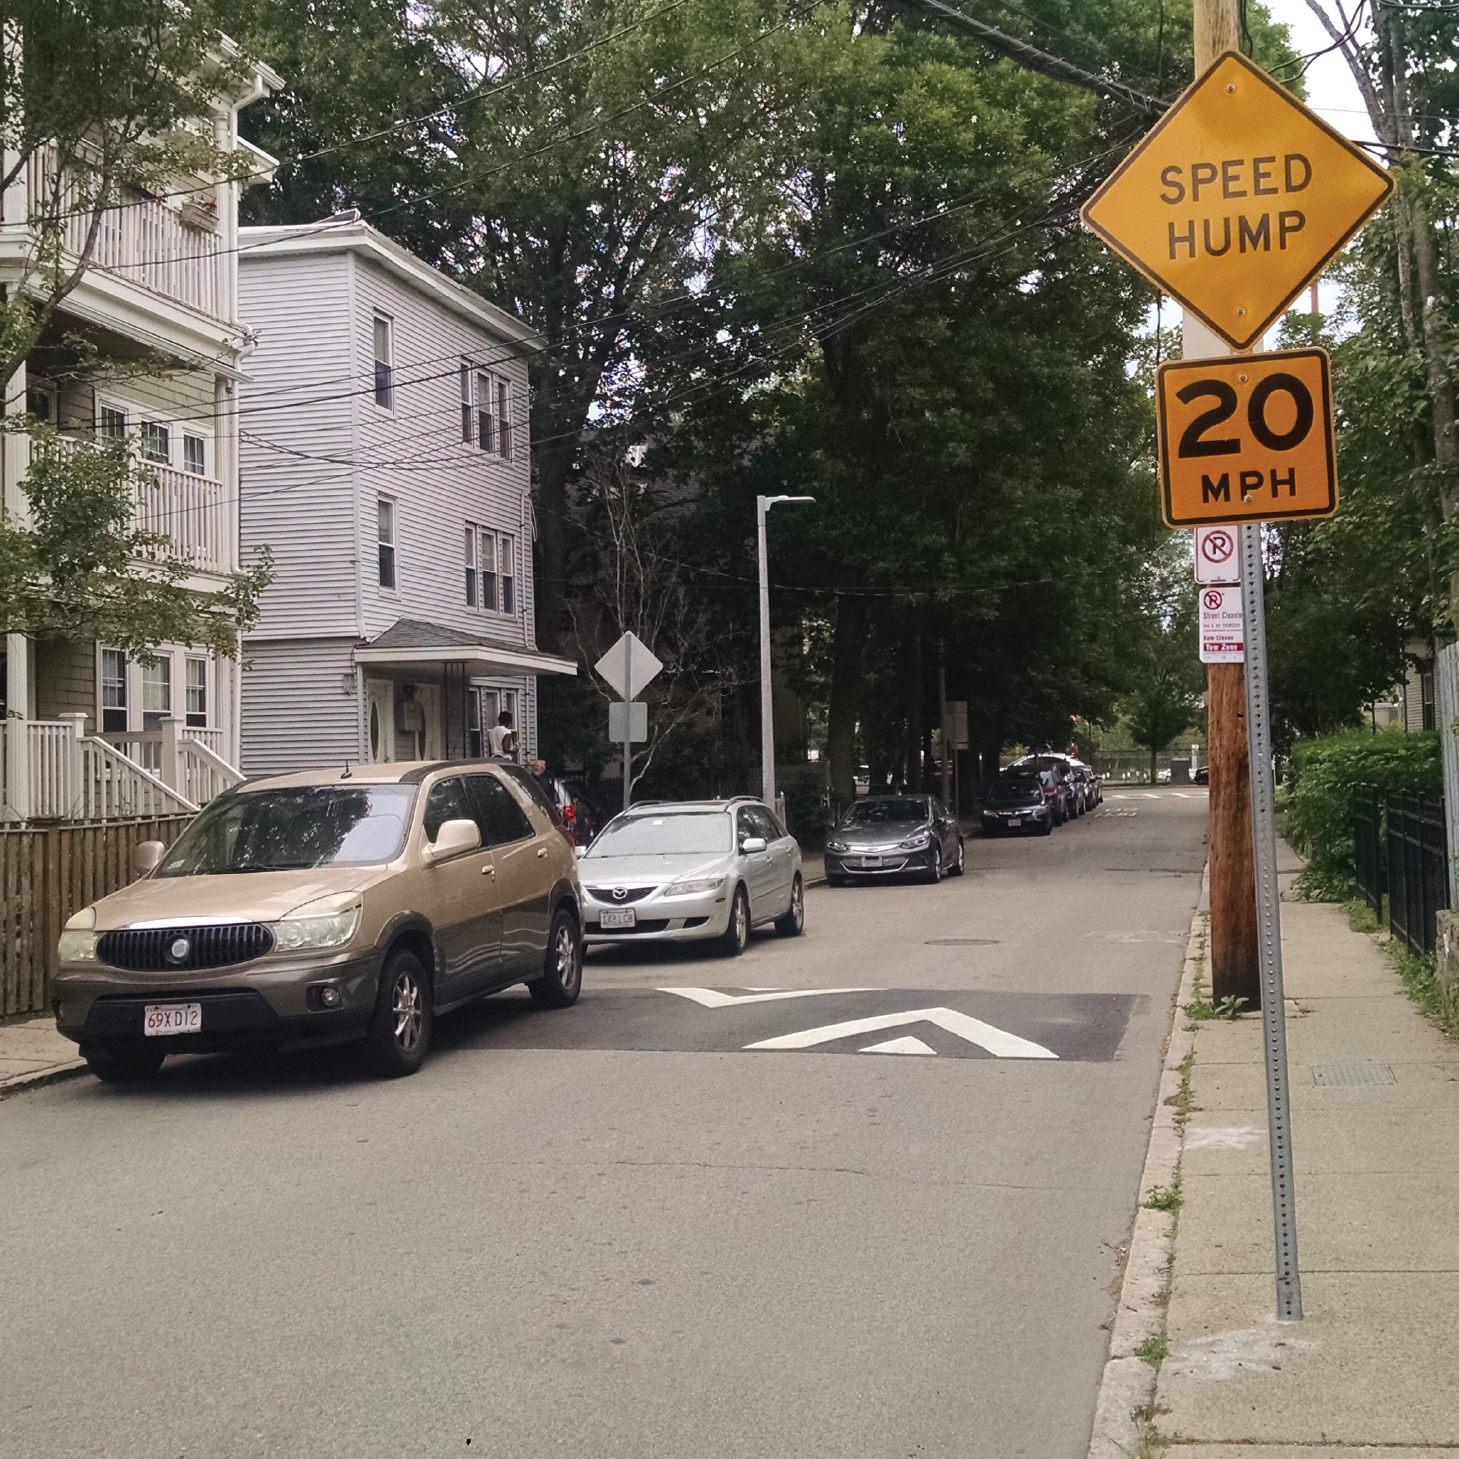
(1361, 917)
(1163, 1197)
(1150, 1443)
(1154, 1350)
(1435, 1001)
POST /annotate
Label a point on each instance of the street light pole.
(767, 708)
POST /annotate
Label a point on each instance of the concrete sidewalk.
(1375, 1099)
(32, 1052)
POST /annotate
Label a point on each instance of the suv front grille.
(605, 894)
(174, 949)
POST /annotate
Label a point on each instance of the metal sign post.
(1269, 928)
(627, 726)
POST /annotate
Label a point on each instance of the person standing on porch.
(502, 738)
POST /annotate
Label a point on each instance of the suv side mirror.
(751, 844)
(454, 838)
(147, 857)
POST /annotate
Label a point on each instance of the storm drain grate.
(1367, 1073)
(961, 942)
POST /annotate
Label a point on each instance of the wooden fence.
(46, 874)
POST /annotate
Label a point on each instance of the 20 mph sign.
(1246, 439)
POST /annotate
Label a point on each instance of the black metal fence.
(1401, 858)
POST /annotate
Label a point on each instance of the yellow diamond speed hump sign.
(1236, 199)
(1246, 438)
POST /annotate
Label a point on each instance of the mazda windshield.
(292, 829)
(685, 834)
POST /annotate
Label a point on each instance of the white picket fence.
(54, 770)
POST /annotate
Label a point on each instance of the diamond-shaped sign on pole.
(1237, 199)
(629, 666)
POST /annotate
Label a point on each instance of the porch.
(52, 770)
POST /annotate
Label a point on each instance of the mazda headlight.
(917, 842)
(328, 922)
(78, 940)
(694, 886)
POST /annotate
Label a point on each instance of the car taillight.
(569, 813)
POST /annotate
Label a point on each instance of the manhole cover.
(961, 942)
(1353, 1074)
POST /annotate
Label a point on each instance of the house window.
(156, 443)
(483, 707)
(113, 691)
(195, 455)
(384, 362)
(111, 423)
(40, 401)
(485, 420)
(386, 534)
(156, 693)
(1426, 697)
(197, 693)
(466, 402)
(504, 418)
(491, 572)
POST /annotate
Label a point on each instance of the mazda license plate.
(160, 1019)
(626, 918)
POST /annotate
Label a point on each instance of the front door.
(524, 881)
(379, 721)
(464, 901)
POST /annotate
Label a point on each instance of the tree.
(82, 569)
(1166, 679)
(104, 101)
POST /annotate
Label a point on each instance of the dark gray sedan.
(889, 835)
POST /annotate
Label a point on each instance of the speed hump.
(1246, 439)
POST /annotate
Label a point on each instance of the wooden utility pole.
(1235, 961)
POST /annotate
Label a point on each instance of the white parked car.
(691, 871)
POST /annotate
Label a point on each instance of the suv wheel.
(792, 924)
(122, 1065)
(736, 936)
(400, 1030)
(562, 972)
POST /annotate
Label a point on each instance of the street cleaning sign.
(1223, 640)
(1236, 199)
(1246, 438)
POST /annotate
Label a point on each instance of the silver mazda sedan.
(692, 871)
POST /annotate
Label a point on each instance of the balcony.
(191, 511)
(146, 242)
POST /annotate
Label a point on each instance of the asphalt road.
(616, 1230)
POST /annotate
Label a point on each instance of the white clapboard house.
(86, 731)
(385, 441)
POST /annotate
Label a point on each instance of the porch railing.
(189, 510)
(54, 770)
(145, 241)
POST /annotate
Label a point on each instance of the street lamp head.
(766, 502)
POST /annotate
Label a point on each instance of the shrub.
(1318, 794)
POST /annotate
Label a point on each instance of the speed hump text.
(1246, 439)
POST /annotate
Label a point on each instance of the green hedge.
(1318, 796)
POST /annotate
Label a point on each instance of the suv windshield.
(1005, 792)
(883, 811)
(286, 830)
(696, 834)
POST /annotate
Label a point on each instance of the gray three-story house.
(384, 444)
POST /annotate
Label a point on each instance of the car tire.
(736, 937)
(792, 924)
(956, 869)
(934, 871)
(562, 970)
(123, 1065)
(400, 1028)
(1047, 829)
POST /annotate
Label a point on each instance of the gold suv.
(316, 908)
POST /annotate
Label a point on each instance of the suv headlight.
(319, 924)
(694, 886)
(78, 940)
(915, 843)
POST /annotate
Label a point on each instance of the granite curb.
(1127, 1388)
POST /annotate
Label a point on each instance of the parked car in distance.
(886, 835)
(1016, 803)
(321, 907)
(1202, 775)
(582, 815)
(690, 871)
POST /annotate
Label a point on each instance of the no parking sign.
(1223, 641)
(1215, 555)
